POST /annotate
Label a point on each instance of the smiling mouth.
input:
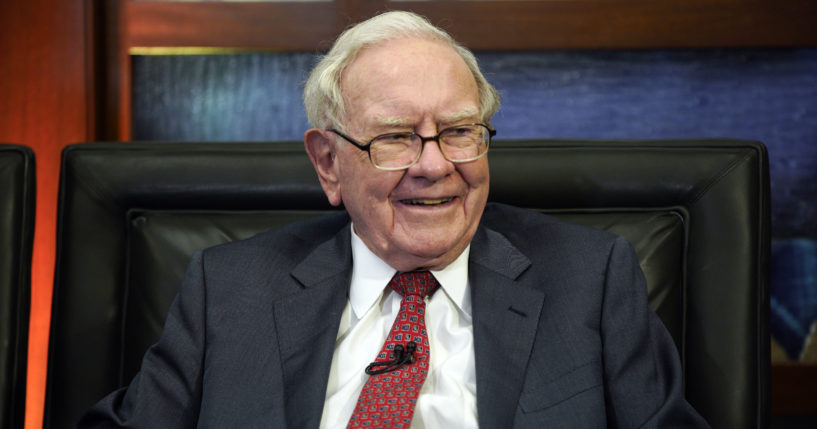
(421, 202)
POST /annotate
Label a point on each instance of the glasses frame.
(367, 146)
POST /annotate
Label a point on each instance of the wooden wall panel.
(623, 24)
(45, 103)
(794, 387)
(485, 24)
(277, 25)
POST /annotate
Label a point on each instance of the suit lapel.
(307, 326)
(505, 316)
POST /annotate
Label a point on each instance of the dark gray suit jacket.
(563, 335)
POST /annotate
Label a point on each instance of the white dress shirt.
(448, 396)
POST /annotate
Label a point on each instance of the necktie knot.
(416, 283)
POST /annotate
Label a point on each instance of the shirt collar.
(370, 275)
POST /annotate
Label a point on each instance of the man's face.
(424, 216)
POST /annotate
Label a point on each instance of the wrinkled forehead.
(409, 55)
(409, 74)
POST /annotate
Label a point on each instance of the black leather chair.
(16, 235)
(697, 213)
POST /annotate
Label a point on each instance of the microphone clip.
(402, 356)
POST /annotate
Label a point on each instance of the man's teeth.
(427, 202)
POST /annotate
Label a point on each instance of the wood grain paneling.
(794, 389)
(46, 100)
(282, 26)
(486, 25)
(624, 24)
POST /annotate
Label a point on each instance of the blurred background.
(94, 70)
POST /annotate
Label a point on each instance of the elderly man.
(422, 307)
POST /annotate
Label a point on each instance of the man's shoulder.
(563, 257)
(520, 226)
(293, 239)
(550, 244)
(261, 269)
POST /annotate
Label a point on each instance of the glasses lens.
(396, 150)
(465, 142)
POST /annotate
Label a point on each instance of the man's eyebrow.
(385, 122)
(393, 122)
(455, 117)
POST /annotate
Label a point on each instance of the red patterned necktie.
(390, 394)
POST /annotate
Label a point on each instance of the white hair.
(322, 94)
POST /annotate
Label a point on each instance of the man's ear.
(321, 149)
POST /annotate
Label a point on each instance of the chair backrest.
(697, 212)
(16, 236)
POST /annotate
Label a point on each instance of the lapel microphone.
(402, 356)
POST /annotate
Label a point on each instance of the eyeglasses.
(398, 151)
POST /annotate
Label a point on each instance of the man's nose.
(432, 164)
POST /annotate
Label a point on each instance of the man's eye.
(396, 138)
(460, 132)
